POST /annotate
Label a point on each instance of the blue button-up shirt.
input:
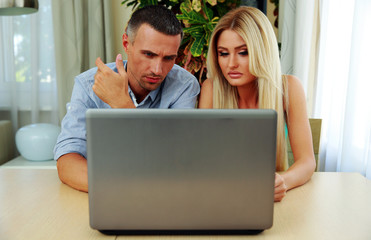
(178, 90)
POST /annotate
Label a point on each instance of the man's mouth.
(153, 79)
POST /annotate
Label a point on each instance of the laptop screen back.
(181, 169)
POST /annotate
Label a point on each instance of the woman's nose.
(233, 62)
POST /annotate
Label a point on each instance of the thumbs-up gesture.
(112, 87)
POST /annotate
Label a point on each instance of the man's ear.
(125, 42)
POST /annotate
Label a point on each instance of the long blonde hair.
(264, 63)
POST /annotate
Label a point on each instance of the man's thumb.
(120, 65)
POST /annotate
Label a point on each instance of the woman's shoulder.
(293, 84)
(292, 80)
(295, 90)
(206, 96)
(208, 83)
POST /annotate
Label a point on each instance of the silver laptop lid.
(177, 169)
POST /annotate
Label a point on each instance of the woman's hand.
(280, 188)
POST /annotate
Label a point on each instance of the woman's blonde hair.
(264, 63)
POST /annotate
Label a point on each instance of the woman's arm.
(300, 137)
(206, 95)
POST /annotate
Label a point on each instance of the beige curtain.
(82, 32)
(299, 34)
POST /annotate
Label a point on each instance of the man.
(149, 79)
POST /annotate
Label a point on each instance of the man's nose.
(157, 67)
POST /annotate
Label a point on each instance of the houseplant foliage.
(199, 18)
(275, 11)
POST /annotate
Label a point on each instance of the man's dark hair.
(158, 17)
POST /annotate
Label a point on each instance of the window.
(27, 64)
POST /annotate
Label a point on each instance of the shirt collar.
(152, 94)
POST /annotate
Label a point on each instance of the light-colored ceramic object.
(36, 142)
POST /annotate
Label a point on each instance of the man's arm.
(73, 171)
(71, 145)
(71, 142)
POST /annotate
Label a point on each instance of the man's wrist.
(125, 104)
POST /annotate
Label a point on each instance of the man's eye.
(223, 54)
(148, 54)
(169, 58)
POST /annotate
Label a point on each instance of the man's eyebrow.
(148, 51)
(155, 54)
(172, 56)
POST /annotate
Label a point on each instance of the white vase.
(36, 142)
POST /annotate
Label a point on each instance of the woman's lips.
(234, 74)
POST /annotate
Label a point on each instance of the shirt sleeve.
(187, 95)
(72, 138)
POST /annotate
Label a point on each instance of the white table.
(34, 204)
(21, 162)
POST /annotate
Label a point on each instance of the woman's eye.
(244, 53)
(223, 54)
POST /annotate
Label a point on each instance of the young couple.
(243, 72)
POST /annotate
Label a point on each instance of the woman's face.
(233, 58)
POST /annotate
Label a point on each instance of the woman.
(244, 72)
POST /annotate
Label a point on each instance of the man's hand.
(112, 87)
(280, 188)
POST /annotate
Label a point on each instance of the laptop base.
(181, 232)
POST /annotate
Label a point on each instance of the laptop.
(182, 170)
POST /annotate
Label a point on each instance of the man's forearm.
(73, 171)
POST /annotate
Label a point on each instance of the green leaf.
(212, 2)
(129, 1)
(192, 17)
(186, 6)
(196, 5)
(195, 31)
(148, 2)
(208, 12)
(198, 45)
(207, 37)
(185, 39)
(215, 20)
(209, 27)
(132, 3)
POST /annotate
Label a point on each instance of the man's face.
(151, 56)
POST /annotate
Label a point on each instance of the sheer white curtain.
(343, 97)
(27, 68)
(327, 44)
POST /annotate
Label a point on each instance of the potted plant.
(199, 18)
